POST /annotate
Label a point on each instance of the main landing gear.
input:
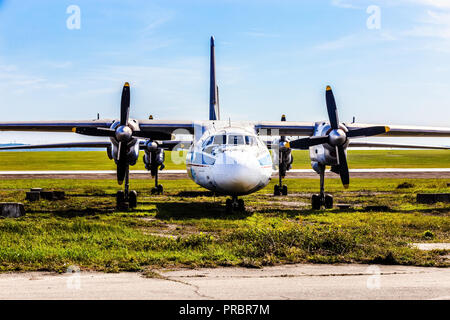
(322, 199)
(280, 189)
(158, 189)
(126, 199)
(234, 204)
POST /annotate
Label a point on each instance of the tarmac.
(402, 173)
(299, 281)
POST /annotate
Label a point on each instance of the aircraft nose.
(237, 173)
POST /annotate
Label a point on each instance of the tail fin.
(214, 113)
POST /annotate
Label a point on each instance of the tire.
(132, 199)
(276, 190)
(315, 201)
(228, 206)
(241, 205)
(160, 189)
(120, 197)
(284, 190)
(328, 201)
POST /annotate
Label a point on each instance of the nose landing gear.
(234, 204)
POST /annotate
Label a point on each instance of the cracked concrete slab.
(300, 281)
(432, 246)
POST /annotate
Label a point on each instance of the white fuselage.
(229, 160)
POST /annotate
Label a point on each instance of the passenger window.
(235, 140)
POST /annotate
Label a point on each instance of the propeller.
(337, 137)
(123, 134)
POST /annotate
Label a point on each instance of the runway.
(411, 173)
(301, 281)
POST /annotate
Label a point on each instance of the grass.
(98, 160)
(188, 227)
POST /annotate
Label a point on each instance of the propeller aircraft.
(227, 157)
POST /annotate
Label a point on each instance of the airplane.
(227, 157)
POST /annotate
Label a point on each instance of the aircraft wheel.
(328, 201)
(315, 201)
(284, 190)
(120, 197)
(241, 205)
(276, 190)
(132, 199)
(228, 206)
(160, 189)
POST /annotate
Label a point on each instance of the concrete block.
(47, 195)
(12, 209)
(59, 195)
(33, 196)
(430, 198)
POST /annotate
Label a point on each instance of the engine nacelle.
(132, 153)
(154, 157)
(324, 154)
(286, 157)
(132, 145)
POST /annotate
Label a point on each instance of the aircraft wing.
(292, 128)
(166, 145)
(285, 128)
(84, 144)
(354, 143)
(53, 126)
(157, 126)
(405, 131)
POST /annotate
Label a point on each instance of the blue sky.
(273, 57)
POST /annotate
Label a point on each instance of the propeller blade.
(121, 171)
(305, 143)
(125, 105)
(91, 131)
(331, 108)
(119, 149)
(367, 132)
(343, 166)
(122, 164)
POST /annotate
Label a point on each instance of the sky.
(387, 61)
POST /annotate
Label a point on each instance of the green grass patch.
(188, 227)
(98, 160)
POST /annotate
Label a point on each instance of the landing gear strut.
(126, 199)
(234, 204)
(280, 189)
(158, 189)
(154, 161)
(322, 199)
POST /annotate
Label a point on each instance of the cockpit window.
(250, 140)
(231, 139)
(219, 139)
(235, 140)
(208, 142)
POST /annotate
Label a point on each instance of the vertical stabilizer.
(214, 113)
